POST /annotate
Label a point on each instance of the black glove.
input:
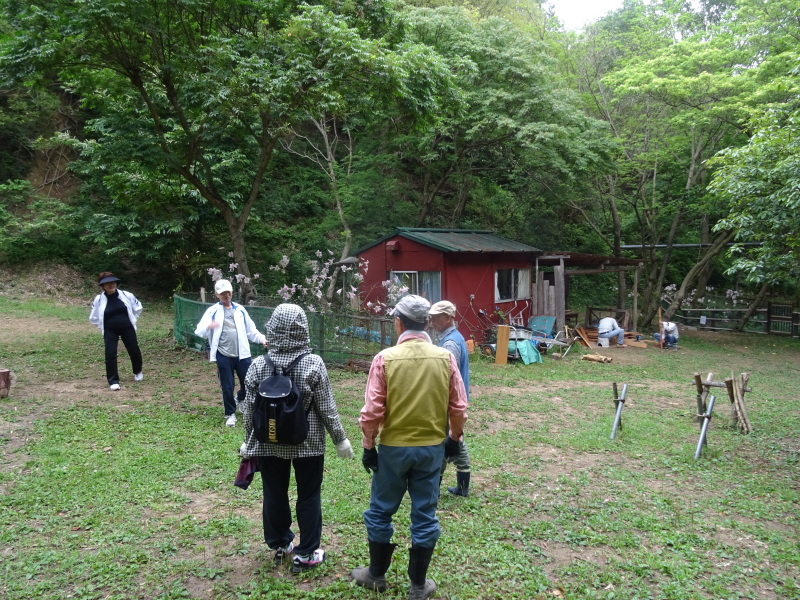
(370, 460)
(451, 447)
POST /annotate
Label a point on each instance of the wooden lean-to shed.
(487, 277)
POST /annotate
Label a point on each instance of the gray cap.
(414, 307)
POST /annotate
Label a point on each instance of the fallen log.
(358, 366)
(597, 358)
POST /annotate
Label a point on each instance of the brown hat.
(443, 308)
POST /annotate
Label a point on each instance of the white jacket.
(670, 328)
(245, 329)
(99, 308)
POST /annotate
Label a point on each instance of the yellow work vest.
(417, 394)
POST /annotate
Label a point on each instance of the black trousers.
(111, 337)
(276, 514)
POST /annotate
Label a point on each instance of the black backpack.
(278, 415)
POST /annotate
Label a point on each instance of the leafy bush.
(35, 228)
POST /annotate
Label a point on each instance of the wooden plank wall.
(550, 299)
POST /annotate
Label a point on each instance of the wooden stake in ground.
(5, 383)
(702, 394)
(660, 329)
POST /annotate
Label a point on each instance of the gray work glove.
(242, 450)
(451, 448)
(370, 460)
(344, 449)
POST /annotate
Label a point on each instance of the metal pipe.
(620, 403)
(704, 429)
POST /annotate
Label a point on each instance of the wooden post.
(5, 382)
(635, 324)
(701, 395)
(768, 321)
(560, 297)
(660, 329)
(321, 317)
(203, 295)
(739, 387)
(501, 351)
(698, 383)
(732, 398)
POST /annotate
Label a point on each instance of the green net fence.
(338, 338)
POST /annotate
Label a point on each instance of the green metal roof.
(457, 240)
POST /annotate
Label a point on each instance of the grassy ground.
(129, 495)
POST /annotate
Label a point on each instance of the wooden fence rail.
(774, 319)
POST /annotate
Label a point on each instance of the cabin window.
(512, 284)
(427, 284)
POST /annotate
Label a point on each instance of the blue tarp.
(365, 334)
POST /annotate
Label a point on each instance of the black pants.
(111, 336)
(276, 514)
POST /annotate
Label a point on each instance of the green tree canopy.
(761, 183)
(194, 96)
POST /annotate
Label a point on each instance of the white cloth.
(99, 308)
(245, 329)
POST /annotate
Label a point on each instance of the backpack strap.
(288, 369)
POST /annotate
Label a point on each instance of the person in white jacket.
(228, 327)
(670, 332)
(115, 312)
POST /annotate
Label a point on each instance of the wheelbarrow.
(516, 336)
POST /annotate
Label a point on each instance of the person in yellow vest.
(414, 390)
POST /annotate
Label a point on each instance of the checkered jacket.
(288, 338)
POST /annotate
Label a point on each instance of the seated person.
(670, 332)
(609, 328)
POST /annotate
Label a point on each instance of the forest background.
(161, 138)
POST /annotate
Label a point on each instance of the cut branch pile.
(737, 386)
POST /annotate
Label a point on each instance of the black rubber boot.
(462, 485)
(419, 559)
(372, 577)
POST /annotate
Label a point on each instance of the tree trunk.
(705, 274)
(751, 310)
(717, 247)
(236, 231)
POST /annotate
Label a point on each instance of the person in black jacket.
(115, 313)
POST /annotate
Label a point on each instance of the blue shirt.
(452, 340)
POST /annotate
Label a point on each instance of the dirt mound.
(58, 282)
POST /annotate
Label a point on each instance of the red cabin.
(487, 277)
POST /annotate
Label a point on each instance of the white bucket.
(602, 342)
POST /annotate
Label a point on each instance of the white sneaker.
(138, 377)
(114, 387)
(310, 561)
(230, 420)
